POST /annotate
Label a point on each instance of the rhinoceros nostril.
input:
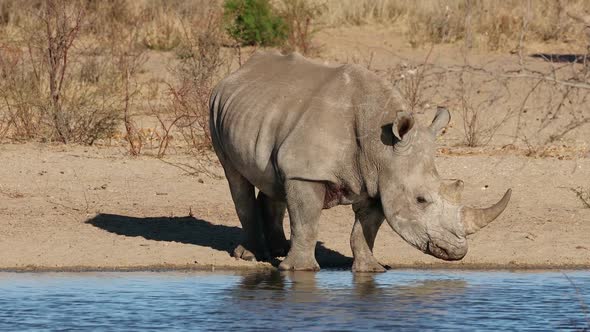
(435, 250)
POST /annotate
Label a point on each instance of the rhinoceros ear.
(441, 120)
(404, 122)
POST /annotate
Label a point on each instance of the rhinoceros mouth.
(444, 253)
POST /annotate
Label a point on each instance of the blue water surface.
(413, 300)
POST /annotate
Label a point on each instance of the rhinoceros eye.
(421, 200)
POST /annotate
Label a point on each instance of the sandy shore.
(81, 208)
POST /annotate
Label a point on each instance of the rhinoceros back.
(281, 117)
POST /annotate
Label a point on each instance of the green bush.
(254, 22)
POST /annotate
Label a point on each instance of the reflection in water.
(402, 299)
(335, 300)
(324, 298)
(365, 285)
(422, 290)
(432, 290)
(303, 286)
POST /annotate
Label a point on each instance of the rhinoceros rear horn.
(451, 189)
(475, 219)
(441, 120)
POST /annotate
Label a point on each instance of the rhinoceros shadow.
(191, 230)
(560, 58)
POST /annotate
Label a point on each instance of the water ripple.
(329, 300)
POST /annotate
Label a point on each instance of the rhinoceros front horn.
(475, 219)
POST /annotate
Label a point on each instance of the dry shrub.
(160, 136)
(162, 30)
(560, 110)
(300, 17)
(118, 49)
(58, 85)
(480, 109)
(19, 89)
(40, 97)
(410, 81)
(480, 101)
(128, 65)
(84, 85)
(541, 110)
(198, 71)
(63, 24)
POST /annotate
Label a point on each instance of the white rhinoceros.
(311, 136)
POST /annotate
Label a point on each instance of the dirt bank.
(77, 208)
(90, 208)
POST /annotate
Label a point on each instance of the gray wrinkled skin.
(311, 136)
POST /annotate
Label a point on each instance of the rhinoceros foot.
(367, 265)
(299, 263)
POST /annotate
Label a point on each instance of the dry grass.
(488, 24)
(69, 69)
(91, 89)
(202, 65)
(410, 80)
(476, 105)
(49, 90)
(300, 17)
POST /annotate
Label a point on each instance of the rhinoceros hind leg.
(241, 252)
(368, 219)
(272, 213)
(305, 201)
(243, 195)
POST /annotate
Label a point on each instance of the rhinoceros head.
(423, 209)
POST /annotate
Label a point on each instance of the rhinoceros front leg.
(244, 198)
(305, 201)
(272, 212)
(368, 219)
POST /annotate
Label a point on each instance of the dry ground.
(93, 208)
(72, 207)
